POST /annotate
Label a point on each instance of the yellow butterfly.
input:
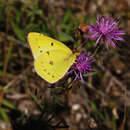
(52, 59)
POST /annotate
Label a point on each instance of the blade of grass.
(3, 115)
(7, 59)
(8, 104)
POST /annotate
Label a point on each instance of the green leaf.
(63, 37)
(4, 115)
(97, 111)
(8, 104)
(67, 17)
(18, 32)
(0, 73)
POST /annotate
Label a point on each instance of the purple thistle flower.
(82, 65)
(107, 29)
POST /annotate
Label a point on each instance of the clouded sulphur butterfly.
(52, 59)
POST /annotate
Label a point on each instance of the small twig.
(121, 85)
(62, 126)
(6, 39)
(15, 79)
(13, 39)
(10, 83)
(125, 114)
(90, 86)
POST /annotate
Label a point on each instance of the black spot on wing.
(52, 43)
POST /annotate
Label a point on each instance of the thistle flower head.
(82, 65)
(106, 29)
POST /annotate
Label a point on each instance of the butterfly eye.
(52, 44)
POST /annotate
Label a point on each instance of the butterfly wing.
(53, 64)
(40, 44)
